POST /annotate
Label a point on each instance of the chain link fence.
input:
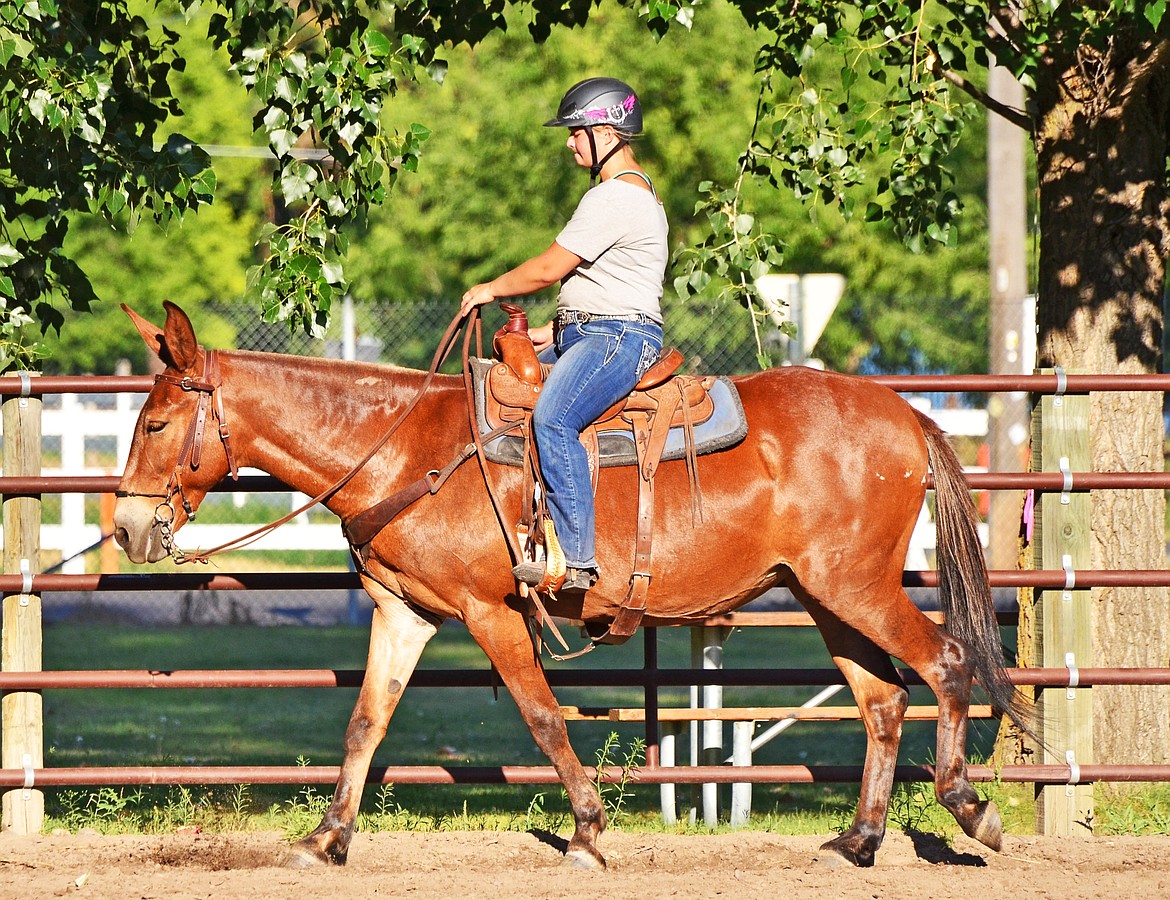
(406, 333)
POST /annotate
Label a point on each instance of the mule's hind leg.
(397, 638)
(951, 681)
(944, 663)
(881, 698)
(503, 634)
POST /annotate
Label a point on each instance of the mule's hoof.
(305, 855)
(831, 859)
(839, 851)
(305, 858)
(987, 828)
(584, 859)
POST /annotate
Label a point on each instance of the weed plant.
(1134, 812)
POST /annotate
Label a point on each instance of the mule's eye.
(154, 426)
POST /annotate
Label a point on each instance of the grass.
(437, 726)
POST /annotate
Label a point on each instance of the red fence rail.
(650, 677)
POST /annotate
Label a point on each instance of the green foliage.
(862, 113)
(822, 130)
(735, 254)
(304, 811)
(320, 74)
(108, 809)
(318, 85)
(911, 805)
(85, 90)
(1124, 810)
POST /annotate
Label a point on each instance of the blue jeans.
(597, 364)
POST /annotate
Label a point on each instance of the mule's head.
(164, 482)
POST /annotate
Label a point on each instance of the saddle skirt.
(713, 409)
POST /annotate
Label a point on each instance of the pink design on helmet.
(615, 114)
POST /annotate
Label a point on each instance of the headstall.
(191, 453)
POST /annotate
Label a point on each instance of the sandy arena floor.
(474, 865)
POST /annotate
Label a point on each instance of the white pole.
(73, 533)
(767, 735)
(348, 329)
(667, 753)
(741, 755)
(712, 730)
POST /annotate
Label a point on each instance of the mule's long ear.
(150, 332)
(174, 344)
(180, 347)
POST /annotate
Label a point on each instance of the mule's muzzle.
(137, 531)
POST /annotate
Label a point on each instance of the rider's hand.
(477, 295)
(542, 336)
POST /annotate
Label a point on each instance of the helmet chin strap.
(595, 169)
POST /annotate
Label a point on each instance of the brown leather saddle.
(512, 385)
(667, 416)
(661, 400)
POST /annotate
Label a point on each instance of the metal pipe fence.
(650, 678)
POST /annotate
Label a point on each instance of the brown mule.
(822, 496)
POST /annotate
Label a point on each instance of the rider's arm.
(530, 276)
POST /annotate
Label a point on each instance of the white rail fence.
(81, 426)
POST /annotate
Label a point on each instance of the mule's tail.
(963, 588)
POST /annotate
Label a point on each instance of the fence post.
(1060, 443)
(22, 733)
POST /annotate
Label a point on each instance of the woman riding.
(610, 260)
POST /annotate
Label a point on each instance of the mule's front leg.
(503, 634)
(397, 638)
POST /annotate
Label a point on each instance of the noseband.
(191, 453)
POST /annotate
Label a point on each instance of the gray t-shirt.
(619, 231)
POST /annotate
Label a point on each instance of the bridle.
(191, 452)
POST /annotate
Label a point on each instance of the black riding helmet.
(600, 101)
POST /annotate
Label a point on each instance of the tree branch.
(1017, 117)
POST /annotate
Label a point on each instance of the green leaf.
(9, 255)
(332, 271)
(1154, 12)
(376, 43)
(294, 185)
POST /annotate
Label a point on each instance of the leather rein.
(210, 397)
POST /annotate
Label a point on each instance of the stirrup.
(529, 573)
(548, 573)
(579, 579)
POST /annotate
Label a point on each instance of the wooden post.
(22, 731)
(108, 554)
(1060, 442)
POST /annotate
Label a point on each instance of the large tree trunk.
(1101, 131)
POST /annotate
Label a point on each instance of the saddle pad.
(725, 428)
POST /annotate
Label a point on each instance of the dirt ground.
(475, 865)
